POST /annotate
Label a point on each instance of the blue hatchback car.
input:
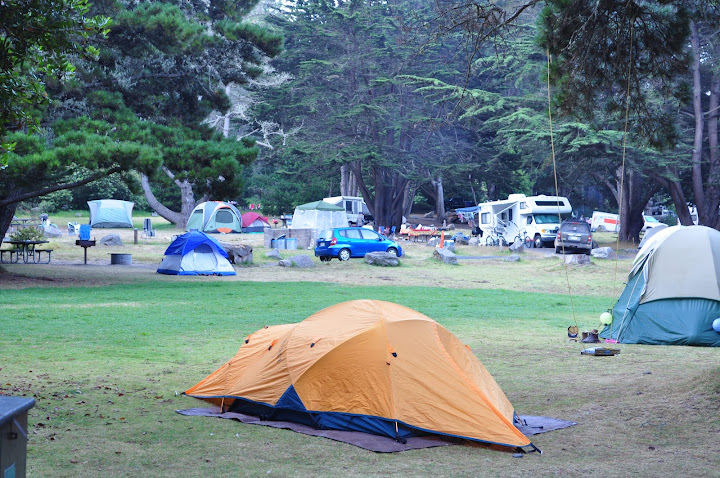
(347, 242)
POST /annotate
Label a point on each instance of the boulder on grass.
(512, 258)
(433, 242)
(382, 259)
(577, 259)
(474, 241)
(517, 247)
(273, 254)
(51, 230)
(285, 263)
(448, 257)
(238, 253)
(303, 261)
(111, 240)
(604, 253)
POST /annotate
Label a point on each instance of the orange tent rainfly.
(368, 366)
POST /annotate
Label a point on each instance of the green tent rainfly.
(673, 292)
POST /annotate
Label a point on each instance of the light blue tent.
(196, 253)
(110, 213)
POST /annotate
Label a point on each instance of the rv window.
(510, 214)
(546, 218)
(523, 206)
(529, 220)
(485, 218)
(549, 203)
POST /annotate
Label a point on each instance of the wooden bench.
(37, 256)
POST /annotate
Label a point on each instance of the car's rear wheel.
(558, 250)
(325, 259)
(393, 251)
(344, 254)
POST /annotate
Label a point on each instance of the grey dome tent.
(672, 295)
(110, 213)
(214, 217)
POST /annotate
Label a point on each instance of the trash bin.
(280, 242)
(291, 243)
(13, 435)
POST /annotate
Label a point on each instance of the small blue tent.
(196, 253)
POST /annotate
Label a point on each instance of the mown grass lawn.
(107, 366)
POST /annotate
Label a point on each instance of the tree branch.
(58, 187)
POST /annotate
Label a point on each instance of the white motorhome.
(533, 218)
(355, 208)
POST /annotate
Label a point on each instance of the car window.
(371, 235)
(575, 227)
(352, 233)
(326, 235)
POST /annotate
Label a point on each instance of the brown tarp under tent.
(366, 366)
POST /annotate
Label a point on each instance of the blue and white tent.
(196, 253)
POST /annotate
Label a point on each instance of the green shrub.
(56, 201)
(30, 233)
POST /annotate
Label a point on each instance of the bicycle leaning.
(496, 238)
(524, 239)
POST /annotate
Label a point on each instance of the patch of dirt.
(10, 280)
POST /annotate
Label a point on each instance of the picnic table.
(26, 250)
(420, 233)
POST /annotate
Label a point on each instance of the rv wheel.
(538, 241)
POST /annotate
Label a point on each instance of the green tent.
(673, 291)
(215, 216)
(319, 206)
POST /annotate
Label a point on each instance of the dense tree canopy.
(37, 38)
(161, 70)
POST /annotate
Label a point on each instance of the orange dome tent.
(369, 366)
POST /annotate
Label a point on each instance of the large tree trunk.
(386, 205)
(439, 199)
(631, 196)
(7, 212)
(409, 200)
(348, 183)
(187, 198)
(635, 195)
